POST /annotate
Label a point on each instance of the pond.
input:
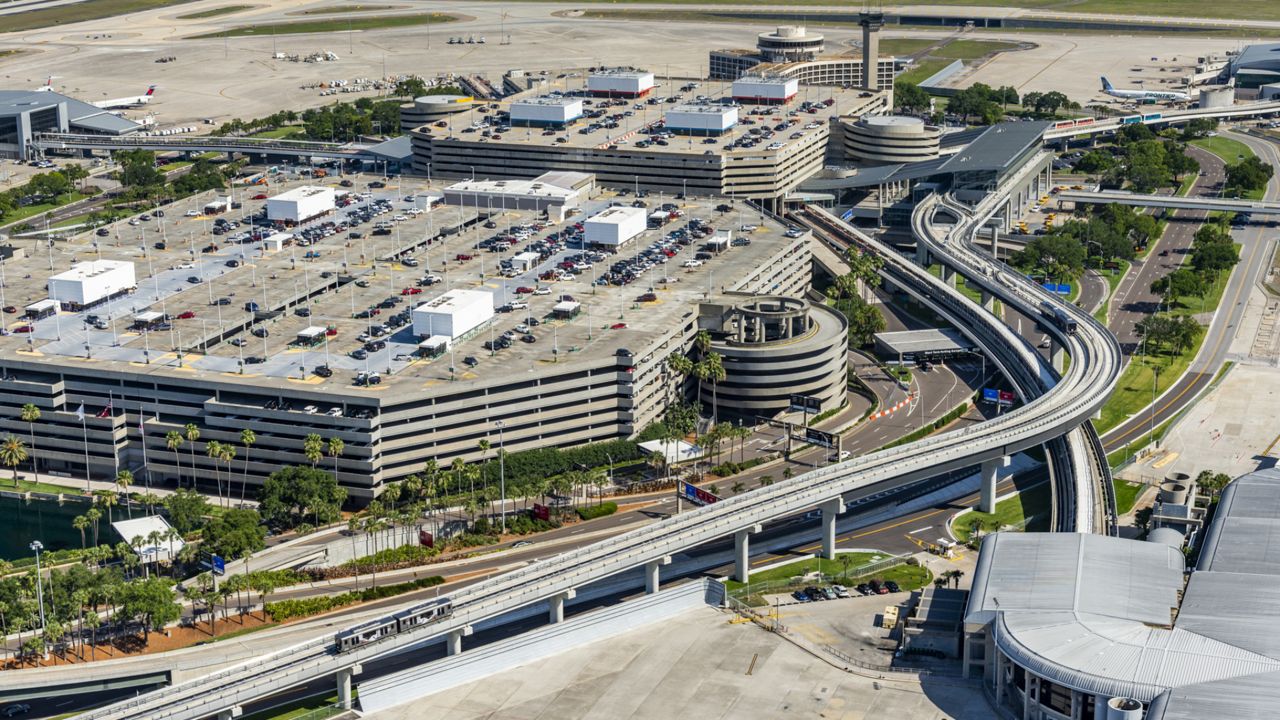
(47, 521)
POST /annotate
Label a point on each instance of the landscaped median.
(1028, 509)
(849, 568)
(339, 24)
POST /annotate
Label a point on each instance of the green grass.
(6, 483)
(902, 47)
(909, 577)
(332, 25)
(1113, 281)
(1126, 495)
(314, 707)
(971, 49)
(281, 133)
(1134, 390)
(1231, 151)
(215, 12)
(80, 12)
(23, 213)
(84, 218)
(1034, 501)
(339, 9)
(922, 71)
(1116, 458)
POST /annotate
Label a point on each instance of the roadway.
(1255, 244)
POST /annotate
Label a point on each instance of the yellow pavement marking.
(311, 380)
(1165, 460)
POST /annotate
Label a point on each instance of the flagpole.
(115, 454)
(142, 430)
(84, 431)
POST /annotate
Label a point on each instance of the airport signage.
(847, 214)
(1000, 397)
(697, 495)
(1006, 398)
(806, 404)
(426, 539)
(822, 439)
(1058, 288)
(541, 512)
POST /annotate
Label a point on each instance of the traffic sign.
(990, 395)
(820, 438)
(1006, 398)
(805, 403)
(426, 539)
(697, 495)
(219, 565)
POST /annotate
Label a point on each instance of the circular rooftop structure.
(891, 139)
(431, 108)
(789, 43)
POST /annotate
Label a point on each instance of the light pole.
(37, 546)
(502, 476)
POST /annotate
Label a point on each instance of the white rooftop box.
(453, 314)
(89, 282)
(301, 204)
(615, 226)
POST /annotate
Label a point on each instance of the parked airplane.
(47, 86)
(1110, 89)
(126, 102)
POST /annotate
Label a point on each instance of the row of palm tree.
(708, 368)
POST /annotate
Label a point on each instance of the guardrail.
(206, 143)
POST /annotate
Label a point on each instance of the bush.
(291, 609)
(726, 469)
(529, 465)
(411, 554)
(598, 511)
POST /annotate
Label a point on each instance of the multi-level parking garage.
(1055, 405)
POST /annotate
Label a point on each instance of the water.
(50, 523)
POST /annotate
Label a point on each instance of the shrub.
(291, 609)
(597, 511)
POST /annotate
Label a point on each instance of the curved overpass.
(1055, 406)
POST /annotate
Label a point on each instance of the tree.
(108, 499)
(1180, 163)
(865, 320)
(910, 97)
(1057, 255)
(30, 414)
(335, 446)
(227, 453)
(192, 434)
(13, 453)
(715, 374)
(247, 439)
(81, 523)
(293, 493)
(151, 602)
(213, 449)
(1198, 128)
(1095, 162)
(173, 440)
(312, 448)
(411, 87)
(235, 533)
(124, 479)
(1178, 284)
(74, 173)
(138, 169)
(1213, 258)
(94, 515)
(1250, 174)
(187, 510)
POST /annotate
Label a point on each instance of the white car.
(845, 454)
(748, 228)
(542, 291)
(691, 263)
(192, 213)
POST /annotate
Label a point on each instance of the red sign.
(697, 495)
(1006, 397)
(541, 512)
(425, 539)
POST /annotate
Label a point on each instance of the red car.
(186, 315)
(330, 331)
(259, 196)
(618, 326)
(410, 291)
(461, 257)
(524, 290)
(23, 329)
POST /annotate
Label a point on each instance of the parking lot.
(228, 303)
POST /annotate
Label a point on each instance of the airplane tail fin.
(1106, 84)
(151, 90)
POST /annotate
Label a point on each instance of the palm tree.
(227, 453)
(30, 414)
(13, 453)
(312, 448)
(213, 449)
(124, 479)
(335, 448)
(170, 535)
(247, 439)
(173, 440)
(94, 515)
(715, 374)
(192, 434)
(81, 523)
(153, 539)
(108, 499)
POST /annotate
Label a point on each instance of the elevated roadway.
(1055, 406)
(199, 143)
(1174, 202)
(1151, 116)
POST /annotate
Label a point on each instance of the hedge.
(597, 511)
(528, 465)
(291, 609)
(733, 468)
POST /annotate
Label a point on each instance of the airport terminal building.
(1065, 626)
(26, 113)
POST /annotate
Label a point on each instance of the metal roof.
(80, 114)
(1093, 613)
(997, 147)
(1260, 55)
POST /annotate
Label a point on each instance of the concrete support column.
(454, 641)
(830, 511)
(988, 301)
(344, 685)
(999, 676)
(948, 276)
(987, 503)
(1027, 682)
(1057, 356)
(651, 576)
(231, 713)
(1076, 705)
(922, 254)
(556, 604)
(742, 553)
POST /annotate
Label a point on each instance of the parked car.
(323, 371)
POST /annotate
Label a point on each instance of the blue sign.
(847, 214)
(697, 495)
(1064, 289)
(990, 395)
(219, 565)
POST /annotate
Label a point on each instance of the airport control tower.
(871, 19)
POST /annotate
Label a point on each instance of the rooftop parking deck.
(234, 311)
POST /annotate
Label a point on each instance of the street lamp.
(37, 546)
(502, 476)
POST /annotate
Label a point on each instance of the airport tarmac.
(117, 56)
